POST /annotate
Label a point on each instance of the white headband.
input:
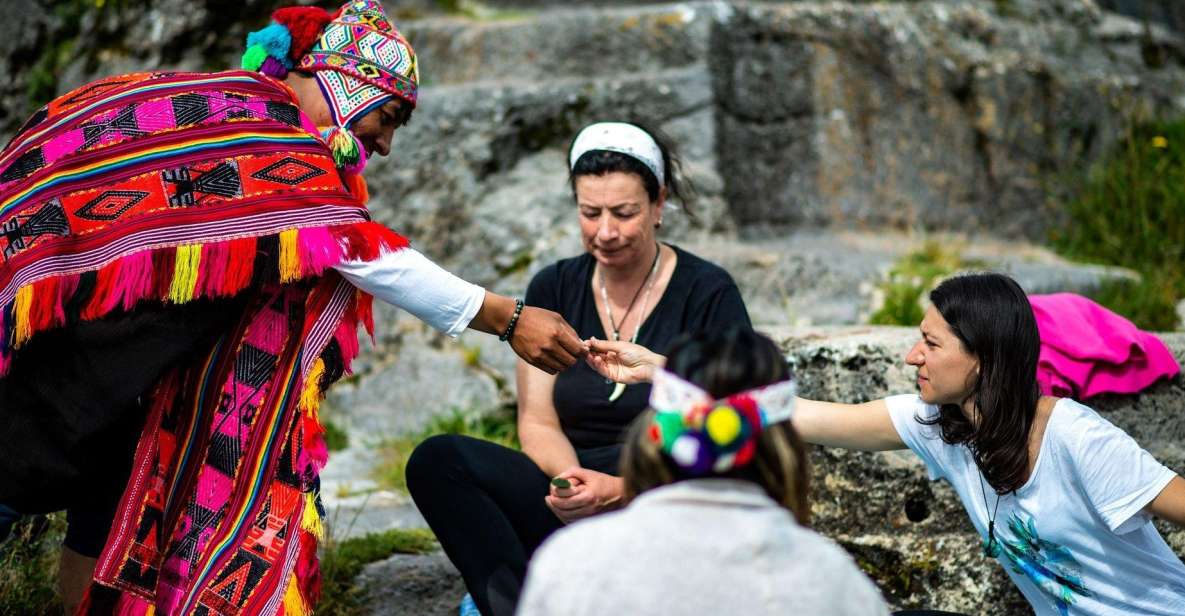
(621, 138)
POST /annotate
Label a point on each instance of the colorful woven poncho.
(166, 187)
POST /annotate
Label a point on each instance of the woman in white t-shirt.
(1061, 496)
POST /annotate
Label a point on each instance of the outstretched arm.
(409, 280)
(541, 337)
(1170, 503)
(851, 426)
(864, 426)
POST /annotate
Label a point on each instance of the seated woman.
(1061, 497)
(490, 506)
(717, 482)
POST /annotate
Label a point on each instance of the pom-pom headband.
(703, 435)
(621, 138)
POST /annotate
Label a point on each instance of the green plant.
(342, 561)
(336, 439)
(1131, 212)
(497, 426)
(474, 9)
(29, 565)
(899, 296)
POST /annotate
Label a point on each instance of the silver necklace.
(647, 284)
(991, 546)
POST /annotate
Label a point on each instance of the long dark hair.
(724, 363)
(992, 318)
(601, 162)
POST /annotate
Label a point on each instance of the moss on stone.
(342, 561)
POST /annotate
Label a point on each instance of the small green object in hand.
(560, 482)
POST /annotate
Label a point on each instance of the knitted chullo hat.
(358, 57)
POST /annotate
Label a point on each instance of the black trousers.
(485, 504)
(70, 414)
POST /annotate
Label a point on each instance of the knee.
(431, 459)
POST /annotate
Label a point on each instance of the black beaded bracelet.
(518, 309)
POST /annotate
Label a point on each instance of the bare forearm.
(494, 314)
(849, 426)
(1170, 503)
(548, 447)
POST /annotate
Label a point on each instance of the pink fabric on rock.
(1087, 350)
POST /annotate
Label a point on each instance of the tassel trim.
(183, 273)
(294, 603)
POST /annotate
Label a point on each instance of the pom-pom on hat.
(358, 57)
(360, 51)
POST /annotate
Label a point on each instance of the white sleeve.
(926, 441)
(408, 280)
(1117, 475)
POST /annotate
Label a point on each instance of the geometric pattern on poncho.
(168, 187)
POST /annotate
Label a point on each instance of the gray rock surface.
(419, 585)
(929, 115)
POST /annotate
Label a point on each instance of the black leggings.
(485, 504)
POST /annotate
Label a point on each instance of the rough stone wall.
(910, 534)
(1170, 13)
(927, 115)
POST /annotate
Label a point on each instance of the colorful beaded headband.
(703, 435)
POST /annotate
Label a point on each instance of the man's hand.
(541, 337)
(623, 362)
(545, 340)
(590, 494)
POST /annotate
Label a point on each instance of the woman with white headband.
(491, 506)
(717, 479)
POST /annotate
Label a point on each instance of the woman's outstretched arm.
(864, 426)
(851, 426)
(1170, 503)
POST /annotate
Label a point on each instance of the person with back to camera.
(491, 506)
(717, 482)
(1061, 497)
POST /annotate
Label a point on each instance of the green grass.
(336, 439)
(342, 561)
(1131, 212)
(473, 9)
(497, 426)
(29, 566)
(911, 278)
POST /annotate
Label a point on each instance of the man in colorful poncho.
(185, 260)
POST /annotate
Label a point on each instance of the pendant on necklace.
(617, 391)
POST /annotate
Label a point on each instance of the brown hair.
(723, 364)
(992, 318)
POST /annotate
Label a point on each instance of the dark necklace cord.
(638, 293)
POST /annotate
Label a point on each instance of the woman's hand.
(623, 362)
(590, 494)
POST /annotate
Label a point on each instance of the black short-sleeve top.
(700, 295)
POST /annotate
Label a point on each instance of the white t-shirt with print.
(1074, 537)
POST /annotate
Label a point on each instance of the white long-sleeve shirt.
(409, 280)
